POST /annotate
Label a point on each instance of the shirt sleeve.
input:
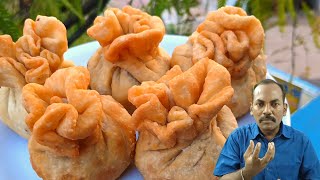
(229, 159)
(310, 167)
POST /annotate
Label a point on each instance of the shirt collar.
(284, 131)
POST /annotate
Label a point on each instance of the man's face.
(268, 107)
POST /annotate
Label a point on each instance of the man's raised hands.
(254, 164)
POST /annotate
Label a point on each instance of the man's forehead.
(269, 90)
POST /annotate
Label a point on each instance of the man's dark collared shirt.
(295, 158)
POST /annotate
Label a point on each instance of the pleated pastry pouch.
(76, 132)
(32, 59)
(233, 39)
(12, 79)
(129, 53)
(242, 98)
(182, 121)
(41, 48)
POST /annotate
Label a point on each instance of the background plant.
(77, 15)
(182, 10)
(286, 13)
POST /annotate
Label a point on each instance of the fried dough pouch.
(41, 47)
(33, 58)
(234, 40)
(12, 73)
(182, 121)
(76, 133)
(12, 112)
(259, 67)
(240, 102)
(130, 52)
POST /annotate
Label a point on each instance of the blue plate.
(14, 156)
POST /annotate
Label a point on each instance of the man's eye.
(259, 104)
(275, 104)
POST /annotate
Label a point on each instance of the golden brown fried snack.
(76, 133)
(7, 47)
(234, 40)
(130, 52)
(228, 36)
(182, 121)
(12, 112)
(35, 56)
(240, 103)
(41, 47)
(12, 73)
(259, 67)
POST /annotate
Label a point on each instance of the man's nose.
(267, 110)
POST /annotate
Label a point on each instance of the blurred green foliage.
(314, 22)
(71, 12)
(286, 11)
(7, 26)
(181, 7)
(270, 12)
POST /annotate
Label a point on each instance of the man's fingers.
(257, 151)
(269, 154)
(249, 150)
(273, 150)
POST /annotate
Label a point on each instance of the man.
(267, 149)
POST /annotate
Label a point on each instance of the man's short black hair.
(270, 81)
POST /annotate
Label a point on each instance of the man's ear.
(251, 108)
(285, 107)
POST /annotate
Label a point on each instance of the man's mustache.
(267, 118)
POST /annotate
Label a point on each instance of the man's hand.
(254, 164)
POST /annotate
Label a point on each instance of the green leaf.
(73, 8)
(313, 22)
(221, 3)
(11, 5)
(7, 26)
(291, 9)
(188, 4)
(156, 8)
(101, 6)
(240, 3)
(262, 10)
(309, 13)
(281, 14)
(171, 29)
(46, 8)
(183, 7)
(77, 4)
